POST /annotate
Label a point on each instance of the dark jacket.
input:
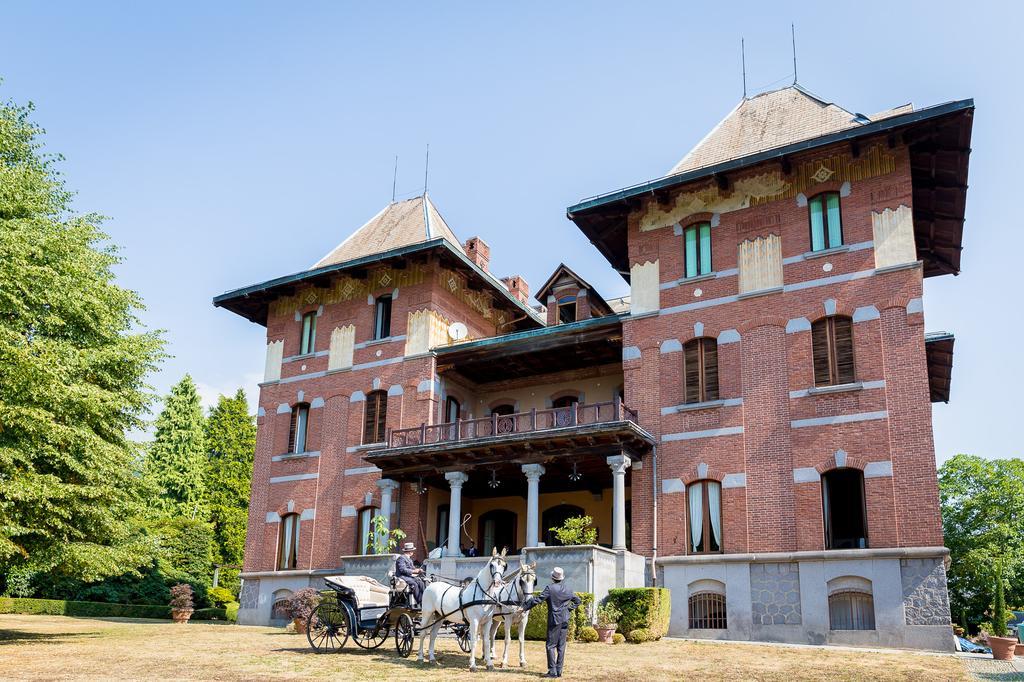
(404, 567)
(561, 601)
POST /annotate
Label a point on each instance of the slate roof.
(773, 119)
(399, 224)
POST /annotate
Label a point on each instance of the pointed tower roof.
(773, 119)
(399, 224)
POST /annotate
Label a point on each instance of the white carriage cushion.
(368, 591)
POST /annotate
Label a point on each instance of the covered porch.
(499, 485)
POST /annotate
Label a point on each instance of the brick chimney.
(478, 252)
(518, 287)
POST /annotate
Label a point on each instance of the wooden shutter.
(709, 347)
(375, 413)
(843, 351)
(691, 371)
(291, 429)
(820, 351)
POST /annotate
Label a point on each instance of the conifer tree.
(73, 365)
(176, 461)
(230, 444)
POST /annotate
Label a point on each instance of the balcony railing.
(510, 424)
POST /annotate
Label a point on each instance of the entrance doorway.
(497, 531)
(553, 517)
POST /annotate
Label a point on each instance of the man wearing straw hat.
(407, 571)
(561, 601)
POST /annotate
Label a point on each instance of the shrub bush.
(82, 609)
(537, 625)
(219, 596)
(211, 613)
(231, 611)
(645, 608)
(641, 635)
(302, 603)
(618, 638)
(181, 597)
(587, 634)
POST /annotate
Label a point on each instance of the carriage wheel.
(462, 636)
(373, 637)
(404, 634)
(328, 628)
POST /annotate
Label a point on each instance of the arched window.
(452, 410)
(288, 543)
(842, 500)
(497, 531)
(363, 544)
(697, 249)
(307, 343)
(503, 410)
(826, 221)
(382, 317)
(566, 309)
(832, 349)
(375, 417)
(565, 414)
(850, 610)
(700, 370)
(298, 428)
(705, 514)
(707, 611)
(553, 517)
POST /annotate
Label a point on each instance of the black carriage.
(361, 608)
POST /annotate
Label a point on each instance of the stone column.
(619, 464)
(533, 473)
(387, 487)
(455, 480)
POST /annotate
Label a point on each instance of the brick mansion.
(751, 427)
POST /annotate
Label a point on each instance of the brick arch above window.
(841, 461)
(702, 472)
(502, 401)
(569, 393)
(765, 321)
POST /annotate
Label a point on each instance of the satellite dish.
(457, 331)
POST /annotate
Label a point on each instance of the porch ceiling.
(587, 443)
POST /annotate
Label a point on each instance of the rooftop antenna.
(743, 61)
(394, 180)
(426, 170)
(792, 30)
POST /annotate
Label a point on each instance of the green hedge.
(537, 625)
(646, 608)
(95, 609)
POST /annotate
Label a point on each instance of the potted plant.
(181, 603)
(300, 605)
(607, 622)
(1001, 645)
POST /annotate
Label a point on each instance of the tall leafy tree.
(983, 521)
(176, 461)
(73, 364)
(230, 444)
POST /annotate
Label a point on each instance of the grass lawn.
(57, 647)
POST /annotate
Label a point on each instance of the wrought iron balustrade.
(533, 421)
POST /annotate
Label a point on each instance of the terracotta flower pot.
(300, 625)
(1002, 647)
(181, 615)
(605, 634)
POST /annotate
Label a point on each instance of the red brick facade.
(767, 440)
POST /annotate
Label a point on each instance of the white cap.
(557, 574)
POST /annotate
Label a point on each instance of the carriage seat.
(399, 586)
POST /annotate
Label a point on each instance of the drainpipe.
(654, 520)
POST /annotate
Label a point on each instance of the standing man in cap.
(407, 571)
(561, 603)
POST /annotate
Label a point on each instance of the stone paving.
(984, 667)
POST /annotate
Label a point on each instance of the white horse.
(442, 602)
(512, 595)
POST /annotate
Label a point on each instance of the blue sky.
(231, 143)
